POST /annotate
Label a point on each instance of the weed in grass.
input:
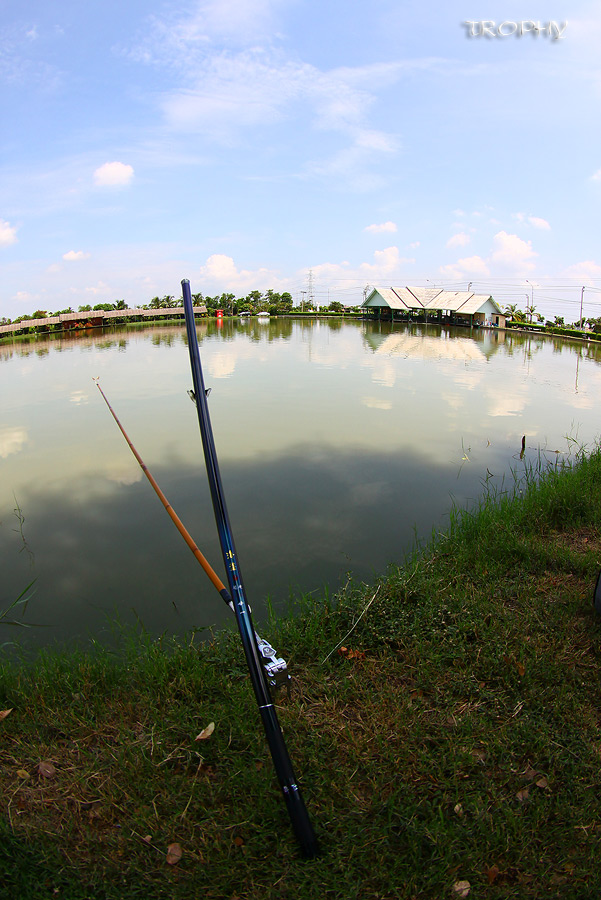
(19, 604)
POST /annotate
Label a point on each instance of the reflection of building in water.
(431, 304)
(423, 346)
(436, 342)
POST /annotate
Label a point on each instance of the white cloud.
(74, 255)
(381, 229)
(233, 81)
(223, 22)
(231, 93)
(465, 268)
(386, 262)
(414, 245)
(351, 164)
(584, 272)
(8, 234)
(231, 19)
(539, 223)
(28, 297)
(511, 252)
(113, 174)
(232, 70)
(387, 266)
(221, 273)
(535, 221)
(459, 240)
(100, 288)
(596, 176)
(228, 92)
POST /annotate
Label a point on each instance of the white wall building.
(453, 307)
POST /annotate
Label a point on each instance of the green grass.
(444, 724)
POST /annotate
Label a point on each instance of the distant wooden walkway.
(96, 318)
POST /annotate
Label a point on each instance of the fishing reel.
(275, 667)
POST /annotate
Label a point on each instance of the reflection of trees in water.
(167, 340)
(488, 341)
(119, 336)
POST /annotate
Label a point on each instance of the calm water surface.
(339, 443)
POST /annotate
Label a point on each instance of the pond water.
(341, 442)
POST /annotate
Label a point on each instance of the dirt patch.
(583, 540)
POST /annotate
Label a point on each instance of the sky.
(302, 146)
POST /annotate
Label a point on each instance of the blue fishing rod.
(295, 804)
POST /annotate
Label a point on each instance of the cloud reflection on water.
(337, 442)
(12, 440)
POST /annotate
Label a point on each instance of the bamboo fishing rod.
(293, 799)
(275, 667)
(174, 517)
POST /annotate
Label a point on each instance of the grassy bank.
(444, 723)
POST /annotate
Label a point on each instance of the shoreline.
(439, 718)
(10, 333)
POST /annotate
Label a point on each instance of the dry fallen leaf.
(542, 782)
(492, 873)
(5, 712)
(461, 888)
(174, 854)
(46, 768)
(351, 654)
(206, 732)
(23, 773)
(523, 794)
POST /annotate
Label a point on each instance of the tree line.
(530, 315)
(254, 302)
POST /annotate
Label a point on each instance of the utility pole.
(310, 287)
(581, 303)
(531, 298)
